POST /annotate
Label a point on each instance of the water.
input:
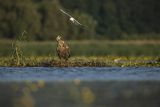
(82, 73)
(80, 87)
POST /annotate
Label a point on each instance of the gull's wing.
(65, 13)
(76, 22)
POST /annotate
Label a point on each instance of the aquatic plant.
(17, 55)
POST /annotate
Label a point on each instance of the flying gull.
(73, 20)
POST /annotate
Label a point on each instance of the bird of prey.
(73, 20)
(63, 50)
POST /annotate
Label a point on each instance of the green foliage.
(86, 48)
(117, 19)
(52, 21)
(18, 16)
(106, 19)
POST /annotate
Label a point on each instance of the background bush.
(106, 19)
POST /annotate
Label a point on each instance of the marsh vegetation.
(108, 22)
(83, 53)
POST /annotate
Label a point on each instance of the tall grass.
(17, 55)
(83, 48)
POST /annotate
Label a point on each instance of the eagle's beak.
(58, 38)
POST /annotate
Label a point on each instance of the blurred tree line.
(106, 19)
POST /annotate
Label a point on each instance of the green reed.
(17, 55)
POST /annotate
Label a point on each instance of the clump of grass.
(18, 58)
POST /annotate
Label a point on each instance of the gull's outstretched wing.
(65, 13)
(76, 22)
(72, 19)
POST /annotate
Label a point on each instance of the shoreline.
(108, 61)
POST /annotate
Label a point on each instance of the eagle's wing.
(67, 52)
(65, 13)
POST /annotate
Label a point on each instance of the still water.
(80, 87)
(82, 73)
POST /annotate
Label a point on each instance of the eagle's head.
(58, 38)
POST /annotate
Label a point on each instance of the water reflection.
(23, 93)
(87, 95)
(78, 93)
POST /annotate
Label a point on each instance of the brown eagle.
(63, 50)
